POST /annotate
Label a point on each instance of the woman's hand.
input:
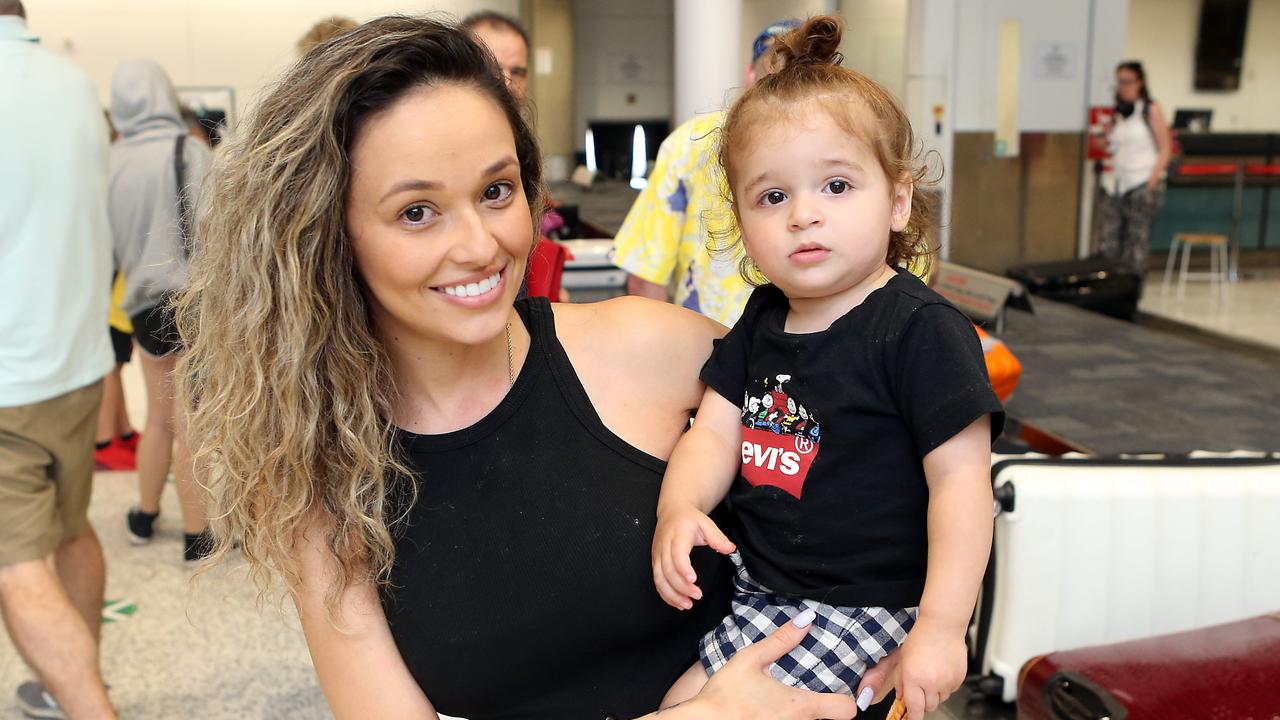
(679, 530)
(932, 666)
(878, 681)
(743, 688)
(1153, 182)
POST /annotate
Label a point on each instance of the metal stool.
(1218, 263)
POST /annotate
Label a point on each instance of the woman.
(155, 168)
(459, 492)
(1141, 149)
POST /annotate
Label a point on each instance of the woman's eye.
(837, 186)
(416, 214)
(773, 197)
(498, 191)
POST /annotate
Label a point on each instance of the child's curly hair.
(810, 72)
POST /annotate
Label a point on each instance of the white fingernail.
(864, 698)
(805, 618)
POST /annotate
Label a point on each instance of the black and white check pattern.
(842, 643)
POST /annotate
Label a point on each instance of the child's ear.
(901, 208)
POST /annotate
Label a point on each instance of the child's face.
(814, 206)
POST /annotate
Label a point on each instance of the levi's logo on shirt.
(780, 438)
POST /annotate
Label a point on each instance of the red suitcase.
(1227, 672)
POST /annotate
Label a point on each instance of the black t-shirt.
(831, 502)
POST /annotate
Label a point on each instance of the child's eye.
(837, 187)
(773, 197)
(498, 192)
(417, 214)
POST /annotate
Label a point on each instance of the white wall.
(1162, 34)
(952, 63)
(1046, 102)
(623, 61)
(875, 41)
(241, 43)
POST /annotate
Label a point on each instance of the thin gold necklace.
(511, 373)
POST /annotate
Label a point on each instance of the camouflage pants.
(1124, 232)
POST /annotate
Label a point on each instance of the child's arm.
(702, 467)
(934, 659)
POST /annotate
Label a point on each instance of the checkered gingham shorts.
(842, 644)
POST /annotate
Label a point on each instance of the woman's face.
(1128, 86)
(438, 218)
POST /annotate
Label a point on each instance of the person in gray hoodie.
(156, 172)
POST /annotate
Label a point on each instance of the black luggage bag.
(1096, 283)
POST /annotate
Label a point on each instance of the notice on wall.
(632, 68)
(1054, 60)
(542, 61)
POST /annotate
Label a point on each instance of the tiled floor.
(182, 649)
(1247, 310)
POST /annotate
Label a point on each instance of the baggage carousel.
(1109, 387)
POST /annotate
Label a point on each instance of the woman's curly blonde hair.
(288, 389)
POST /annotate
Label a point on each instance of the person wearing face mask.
(1140, 151)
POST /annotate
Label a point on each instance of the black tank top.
(522, 585)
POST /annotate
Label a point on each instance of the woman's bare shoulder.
(639, 327)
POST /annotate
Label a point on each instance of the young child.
(857, 465)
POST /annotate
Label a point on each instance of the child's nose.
(804, 214)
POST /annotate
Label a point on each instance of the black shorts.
(155, 331)
(122, 344)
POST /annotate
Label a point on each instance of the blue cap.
(762, 40)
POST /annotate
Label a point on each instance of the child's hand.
(678, 531)
(933, 666)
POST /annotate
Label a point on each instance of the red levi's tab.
(778, 459)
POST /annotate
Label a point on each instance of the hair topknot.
(807, 75)
(816, 42)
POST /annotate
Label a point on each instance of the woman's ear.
(901, 207)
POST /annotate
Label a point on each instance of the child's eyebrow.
(756, 180)
(840, 162)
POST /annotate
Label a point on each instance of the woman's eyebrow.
(415, 184)
(500, 165)
(418, 184)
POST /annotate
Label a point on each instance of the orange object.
(1002, 367)
(897, 711)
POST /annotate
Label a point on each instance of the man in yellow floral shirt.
(666, 233)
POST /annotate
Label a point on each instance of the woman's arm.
(359, 666)
(1164, 144)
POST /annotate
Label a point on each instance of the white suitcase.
(1090, 551)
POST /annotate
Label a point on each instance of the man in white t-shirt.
(55, 272)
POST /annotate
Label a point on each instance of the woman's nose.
(473, 242)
